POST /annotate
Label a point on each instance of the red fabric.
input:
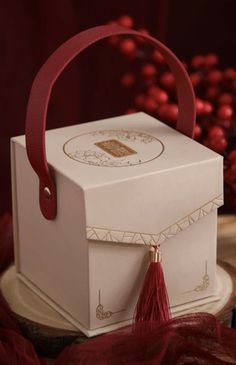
(191, 339)
(153, 302)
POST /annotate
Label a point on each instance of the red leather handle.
(41, 91)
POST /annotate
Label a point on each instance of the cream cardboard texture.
(123, 184)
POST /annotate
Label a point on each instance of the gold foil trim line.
(118, 236)
(100, 313)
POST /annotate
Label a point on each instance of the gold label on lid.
(115, 148)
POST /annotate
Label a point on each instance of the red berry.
(216, 132)
(150, 104)
(126, 21)
(220, 144)
(148, 70)
(207, 107)
(127, 80)
(153, 90)
(206, 143)
(229, 74)
(195, 79)
(169, 112)
(131, 111)
(197, 131)
(157, 57)
(227, 177)
(199, 106)
(172, 112)
(224, 123)
(168, 80)
(144, 31)
(214, 77)
(211, 60)
(225, 98)
(159, 95)
(232, 156)
(149, 81)
(161, 111)
(128, 47)
(225, 112)
(232, 171)
(198, 61)
(139, 100)
(217, 144)
(212, 92)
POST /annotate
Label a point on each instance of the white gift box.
(108, 190)
(163, 188)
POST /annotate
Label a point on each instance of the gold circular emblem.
(113, 148)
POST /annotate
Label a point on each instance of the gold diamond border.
(108, 235)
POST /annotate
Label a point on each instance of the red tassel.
(153, 302)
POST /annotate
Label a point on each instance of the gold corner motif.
(100, 313)
(108, 235)
(205, 282)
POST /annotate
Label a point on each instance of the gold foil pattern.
(108, 235)
(115, 148)
(100, 313)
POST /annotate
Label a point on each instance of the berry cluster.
(152, 86)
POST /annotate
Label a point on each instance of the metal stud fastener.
(47, 192)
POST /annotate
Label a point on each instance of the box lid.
(143, 182)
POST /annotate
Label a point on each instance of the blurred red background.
(32, 30)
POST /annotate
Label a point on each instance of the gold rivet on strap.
(47, 192)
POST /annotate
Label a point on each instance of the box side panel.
(14, 206)
(117, 271)
(53, 255)
(190, 257)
